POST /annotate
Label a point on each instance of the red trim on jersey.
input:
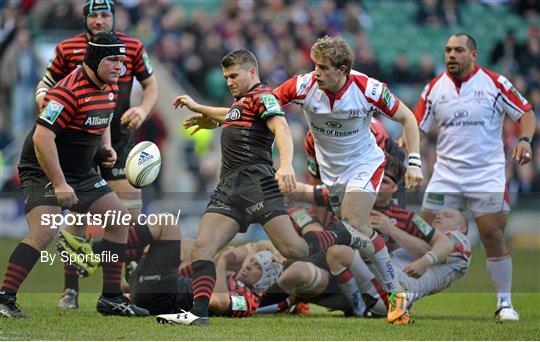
(286, 92)
(337, 96)
(377, 177)
(508, 93)
(420, 109)
(457, 82)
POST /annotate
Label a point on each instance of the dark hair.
(394, 168)
(241, 57)
(471, 42)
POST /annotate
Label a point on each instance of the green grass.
(464, 313)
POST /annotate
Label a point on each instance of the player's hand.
(286, 179)
(65, 195)
(108, 156)
(380, 221)
(522, 153)
(199, 121)
(185, 101)
(413, 177)
(417, 268)
(133, 118)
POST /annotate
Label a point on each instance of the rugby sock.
(274, 295)
(500, 271)
(139, 237)
(20, 263)
(347, 284)
(319, 241)
(381, 261)
(112, 271)
(204, 280)
(366, 280)
(71, 278)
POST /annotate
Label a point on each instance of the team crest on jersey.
(354, 113)
(111, 96)
(233, 115)
(51, 112)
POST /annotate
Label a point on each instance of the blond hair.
(336, 50)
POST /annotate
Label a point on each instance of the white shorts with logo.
(366, 178)
(486, 196)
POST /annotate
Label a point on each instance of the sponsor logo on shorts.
(254, 208)
(433, 198)
(153, 277)
(118, 171)
(100, 184)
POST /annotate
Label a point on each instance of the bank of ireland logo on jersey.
(51, 112)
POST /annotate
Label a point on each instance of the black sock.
(273, 295)
(319, 241)
(71, 278)
(138, 238)
(112, 271)
(204, 280)
(22, 260)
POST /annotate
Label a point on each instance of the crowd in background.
(190, 38)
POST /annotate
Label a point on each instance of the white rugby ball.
(143, 164)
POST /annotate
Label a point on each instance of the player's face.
(387, 189)
(449, 219)
(459, 58)
(328, 77)
(110, 69)
(99, 22)
(239, 79)
(250, 272)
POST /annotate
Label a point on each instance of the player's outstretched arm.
(47, 156)
(215, 113)
(522, 152)
(413, 177)
(285, 174)
(199, 121)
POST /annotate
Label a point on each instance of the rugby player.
(248, 191)
(56, 171)
(69, 53)
(467, 105)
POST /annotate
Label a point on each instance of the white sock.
(347, 284)
(500, 271)
(381, 260)
(362, 275)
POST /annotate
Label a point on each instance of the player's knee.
(293, 249)
(203, 251)
(42, 239)
(293, 277)
(359, 222)
(339, 256)
(165, 228)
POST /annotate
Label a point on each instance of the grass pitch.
(463, 313)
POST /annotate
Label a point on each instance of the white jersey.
(340, 122)
(469, 118)
(440, 276)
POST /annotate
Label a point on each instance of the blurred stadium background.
(399, 42)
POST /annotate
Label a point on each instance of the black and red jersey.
(244, 301)
(377, 129)
(70, 53)
(245, 138)
(78, 112)
(407, 221)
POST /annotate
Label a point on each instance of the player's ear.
(252, 72)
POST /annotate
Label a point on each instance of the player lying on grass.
(156, 285)
(311, 281)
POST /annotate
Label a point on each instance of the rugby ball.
(143, 164)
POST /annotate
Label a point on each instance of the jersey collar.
(457, 82)
(337, 96)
